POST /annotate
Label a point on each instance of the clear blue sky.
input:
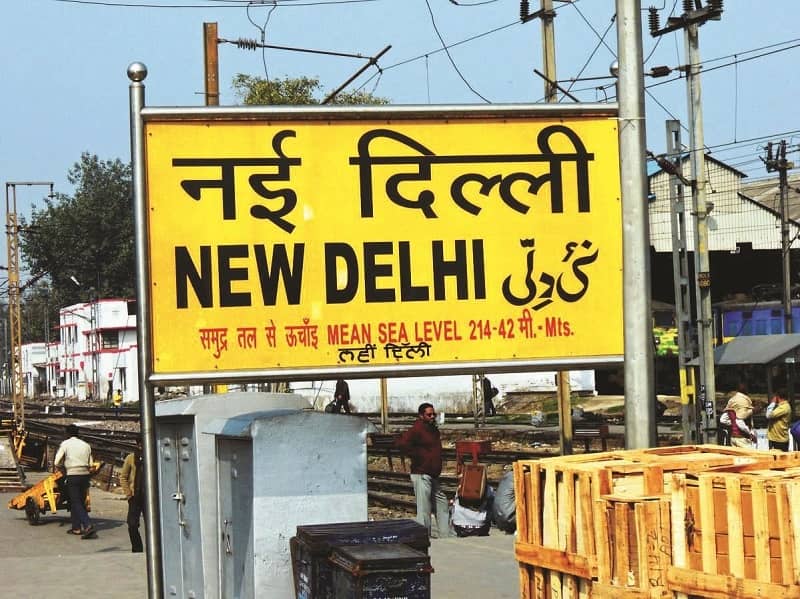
(66, 89)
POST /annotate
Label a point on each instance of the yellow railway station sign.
(451, 239)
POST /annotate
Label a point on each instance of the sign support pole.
(137, 73)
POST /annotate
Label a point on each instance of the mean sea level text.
(447, 330)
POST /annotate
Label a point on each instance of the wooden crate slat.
(569, 587)
(602, 542)
(525, 581)
(720, 586)
(793, 490)
(677, 518)
(733, 502)
(785, 539)
(585, 524)
(607, 591)
(554, 559)
(541, 583)
(550, 525)
(568, 521)
(706, 523)
(553, 584)
(535, 505)
(621, 548)
(761, 530)
(642, 518)
(522, 498)
(550, 508)
(664, 547)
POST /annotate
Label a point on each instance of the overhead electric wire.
(452, 45)
(613, 53)
(217, 3)
(480, 3)
(450, 57)
(263, 31)
(596, 48)
(707, 65)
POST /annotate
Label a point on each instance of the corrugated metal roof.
(767, 191)
(755, 349)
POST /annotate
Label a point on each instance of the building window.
(776, 326)
(732, 327)
(747, 327)
(761, 326)
(110, 339)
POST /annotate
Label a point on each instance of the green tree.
(257, 91)
(39, 314)
(88, 236)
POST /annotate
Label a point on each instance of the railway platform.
(44, 561)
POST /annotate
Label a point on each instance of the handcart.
(48, 494)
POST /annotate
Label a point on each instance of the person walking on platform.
(741, 435)
(489, 393)
(422, 443)
(341, 397)
(74, 455)
(740, 403)
(736, 419)
(778, 414)
(131, 478)
(117, 402)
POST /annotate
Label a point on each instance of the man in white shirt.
(74, 455)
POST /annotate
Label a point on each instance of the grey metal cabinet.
(180, 517)
(235, 480)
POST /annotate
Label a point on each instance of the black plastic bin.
(314, 544)
(380, 571)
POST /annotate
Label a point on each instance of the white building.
(96, 352)
(736, 215)
(34, 367)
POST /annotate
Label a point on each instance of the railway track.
(46, 430)
(39, 411)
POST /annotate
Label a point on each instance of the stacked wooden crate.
(648, 523)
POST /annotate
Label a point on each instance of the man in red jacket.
(423, 445)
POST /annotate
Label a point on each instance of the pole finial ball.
(137, 71)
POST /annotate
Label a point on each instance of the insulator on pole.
(524, 9)
(687, 6)
(653, 19)
(246, 44)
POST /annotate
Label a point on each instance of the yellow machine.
(47, 495)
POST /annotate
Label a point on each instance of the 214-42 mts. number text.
(506, 328)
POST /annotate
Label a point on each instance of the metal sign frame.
(580, 140)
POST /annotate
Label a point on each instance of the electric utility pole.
(15, 299)
(693, 16)
(563, 390)
(547, 14)
(640, 421)
(777, 162)
(211, 61)
(672, 165)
